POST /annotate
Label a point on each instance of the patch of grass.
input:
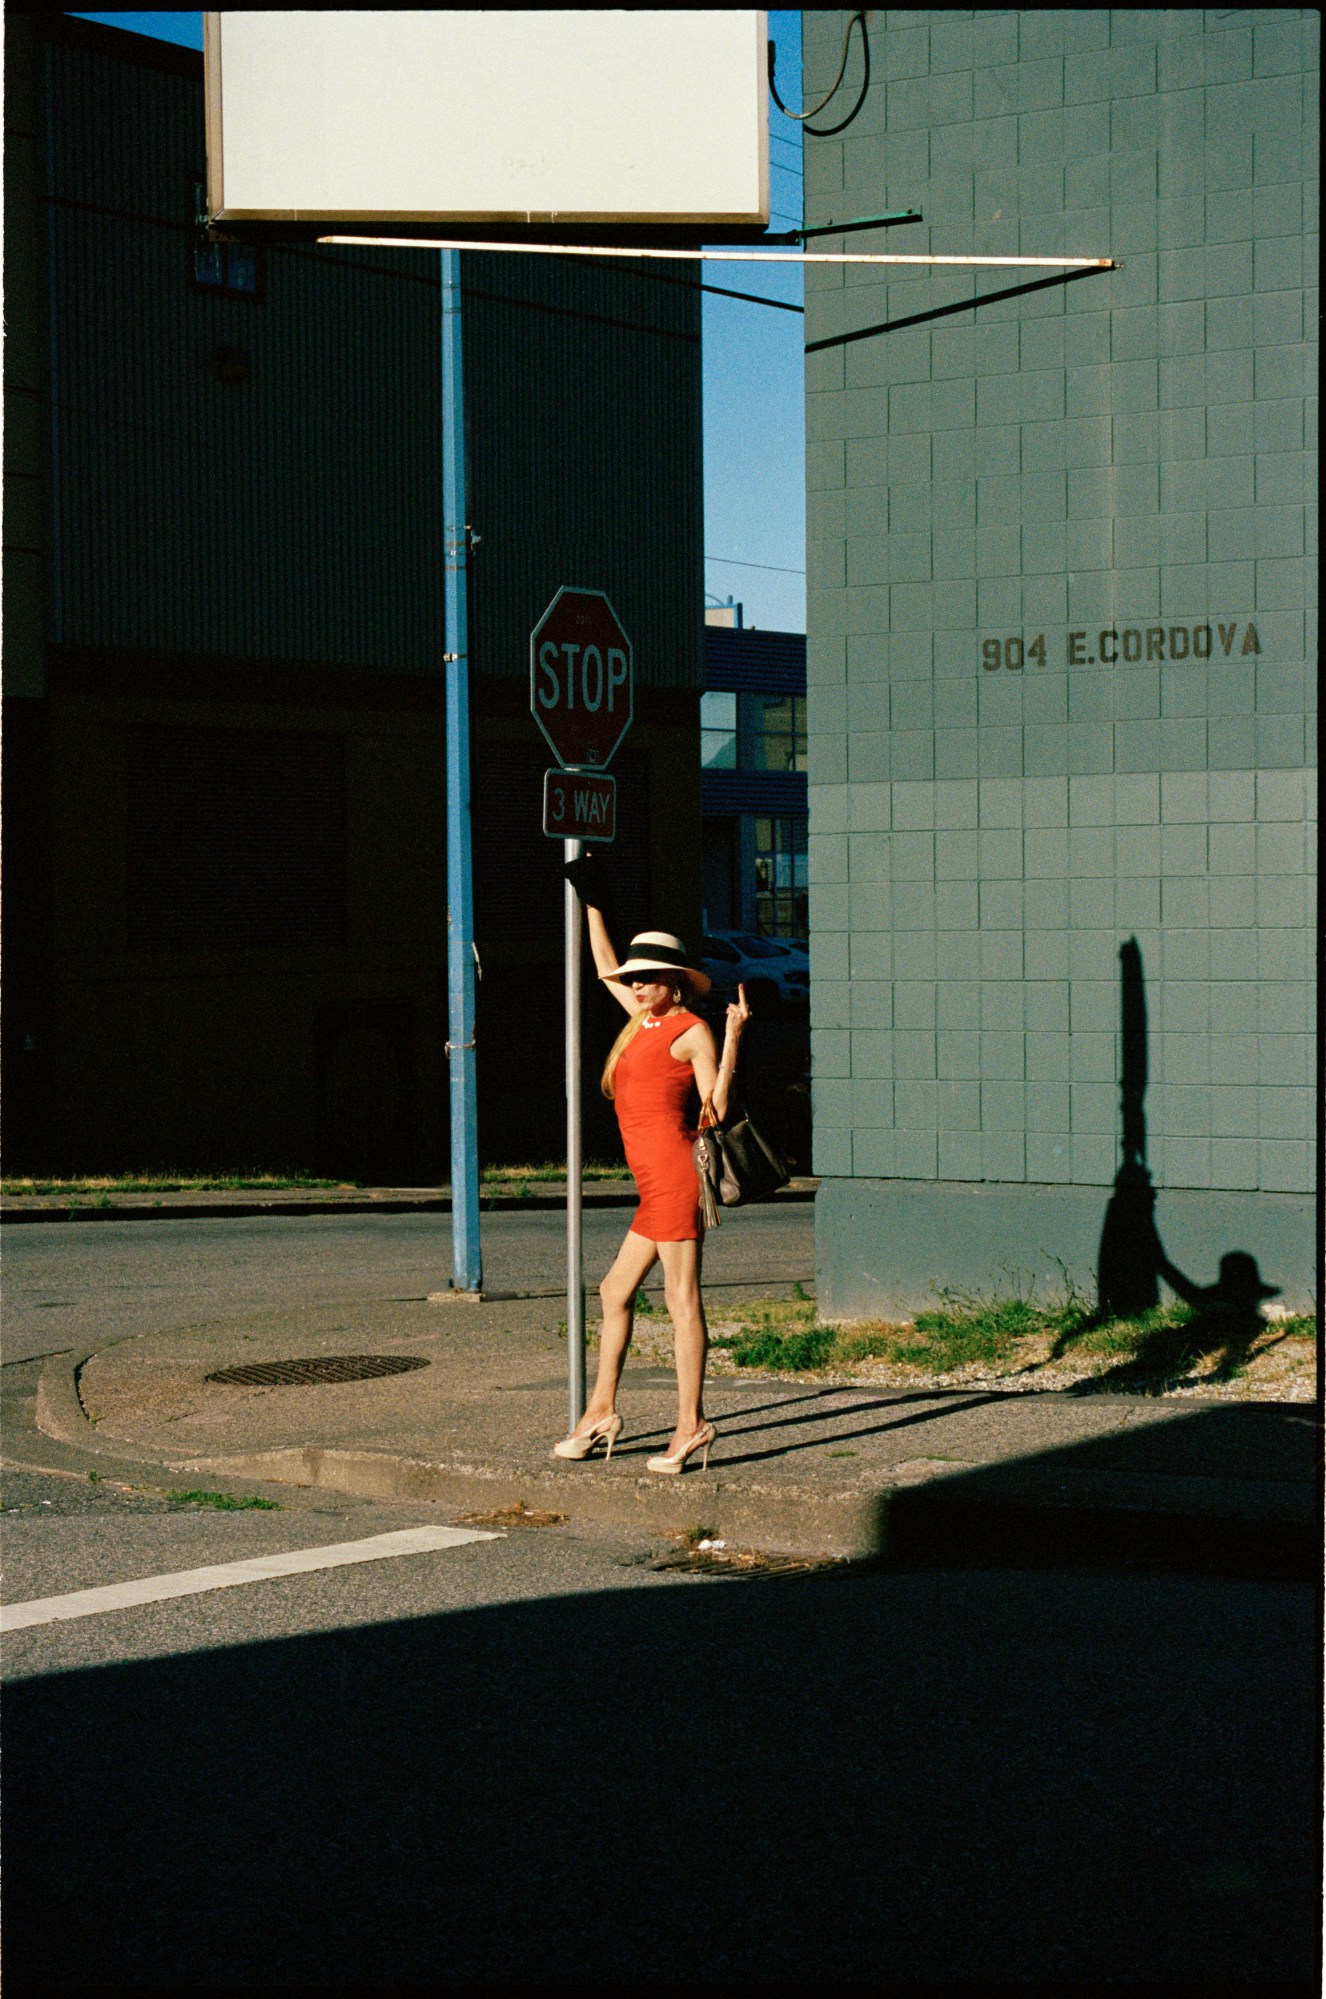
(781, 1336)
(959, 1333)
(693, 1536)
(644, 1305)
(498, 1178)
(493, 1179)
(1119, 1339)
(224, 1502)
(106, 1184)
(1009, 1334)
(786, 1353)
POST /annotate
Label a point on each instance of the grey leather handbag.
(736, 1164)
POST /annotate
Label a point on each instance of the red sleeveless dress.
(652, 1092)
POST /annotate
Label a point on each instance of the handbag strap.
(708, 1116)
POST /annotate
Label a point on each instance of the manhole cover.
(310, 1373)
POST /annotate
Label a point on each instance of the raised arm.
(714, 1074)
(737, 1016)
(586, 877)
(605, 957)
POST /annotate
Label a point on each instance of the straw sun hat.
(660, 952)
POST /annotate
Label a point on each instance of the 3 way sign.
(581, 679)
(579, 805)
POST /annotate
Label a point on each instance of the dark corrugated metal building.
(224, 814)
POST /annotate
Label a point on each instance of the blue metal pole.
(467, 1267)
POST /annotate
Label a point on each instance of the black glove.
(589, 878)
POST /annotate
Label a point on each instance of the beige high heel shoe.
(676, 1462)
(605, 1431)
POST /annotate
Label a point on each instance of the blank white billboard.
(595, 116)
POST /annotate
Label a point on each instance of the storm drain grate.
(311, 1373)
(715, 1558)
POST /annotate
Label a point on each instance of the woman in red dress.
(663, 1054)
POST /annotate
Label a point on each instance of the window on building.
(781, 898)
(718, 731)
(223, 267)
(778, 732)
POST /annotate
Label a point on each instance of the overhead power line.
(731, 562)
(828, 131)
(723, 291)
(753, 298)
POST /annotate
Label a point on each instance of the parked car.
(795, 956)
(776, 982)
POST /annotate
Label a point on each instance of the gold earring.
(676, 995)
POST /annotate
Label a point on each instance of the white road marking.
(226, 1575)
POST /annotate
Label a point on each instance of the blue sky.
(754, 422)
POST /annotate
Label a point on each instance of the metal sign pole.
(575, 1274)
(467, 1268)
(582, 695)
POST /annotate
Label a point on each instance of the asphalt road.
(542, 1758)
(539, 1759)
(67, 1282)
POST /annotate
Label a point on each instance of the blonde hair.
(607, 1082)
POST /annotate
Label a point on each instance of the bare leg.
(681, 1289)
(634, 1260)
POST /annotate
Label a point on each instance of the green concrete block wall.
(1122, 466)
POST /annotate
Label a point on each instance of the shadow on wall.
(1227, 1315)
(799, 1779)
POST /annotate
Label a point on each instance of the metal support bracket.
(960, 305)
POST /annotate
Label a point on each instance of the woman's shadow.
(1226, 1316)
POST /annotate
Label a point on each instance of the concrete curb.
(783, 1522)
(60, 1414)
(173, 1208)
(1005, 1514)
(1177, 1522)
(59, 1408)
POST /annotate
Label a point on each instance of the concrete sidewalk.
(803, 1465)
(120, 1206)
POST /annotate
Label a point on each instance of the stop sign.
(581, 678)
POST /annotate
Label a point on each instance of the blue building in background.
(753, 778)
